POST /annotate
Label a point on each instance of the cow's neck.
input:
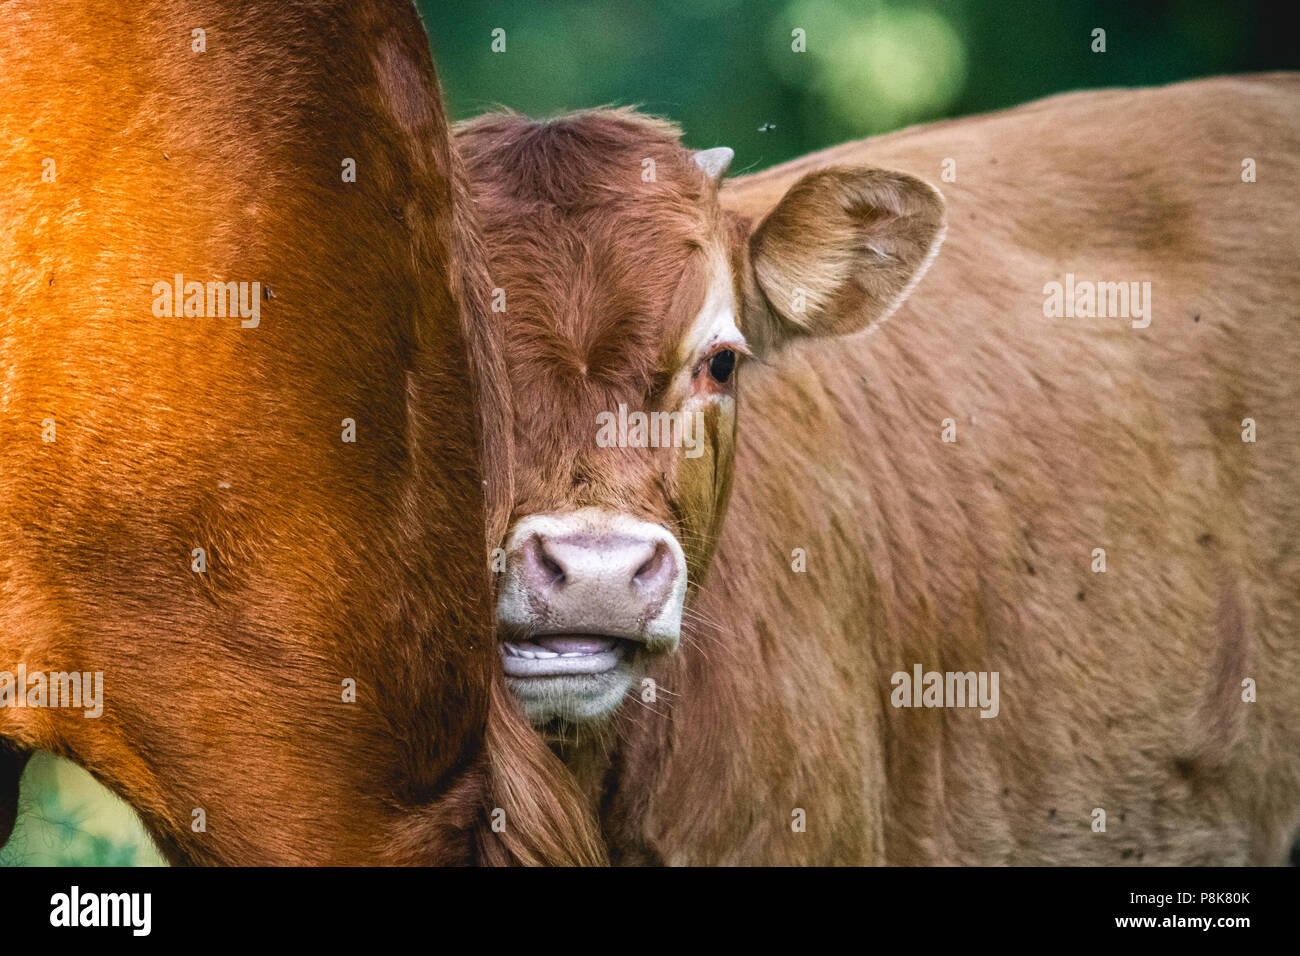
(770, 736)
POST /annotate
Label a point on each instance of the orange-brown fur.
(326, 560)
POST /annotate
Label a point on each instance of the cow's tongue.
(571, 644)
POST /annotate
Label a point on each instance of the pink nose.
(590, 583)
(592, 572)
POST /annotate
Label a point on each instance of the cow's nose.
(595, 573)
(641, 568)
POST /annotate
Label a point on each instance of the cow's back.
(1119, 690)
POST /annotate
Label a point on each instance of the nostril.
(654, 566)
(544, 564)
(552, 567)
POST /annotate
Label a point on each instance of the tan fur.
(1119, 691)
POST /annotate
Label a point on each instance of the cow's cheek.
(704, 482)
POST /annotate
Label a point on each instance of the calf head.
(630, 302)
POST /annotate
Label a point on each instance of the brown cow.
(937, 496)
(182, 515)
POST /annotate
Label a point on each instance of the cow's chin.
(576, 679)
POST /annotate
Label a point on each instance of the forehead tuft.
(601, 264)
(596, 158)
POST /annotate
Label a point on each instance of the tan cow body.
(1149, 712)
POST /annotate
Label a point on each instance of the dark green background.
(724, 68)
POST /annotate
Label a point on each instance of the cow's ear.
(839, 253)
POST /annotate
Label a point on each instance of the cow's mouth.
(563, 655)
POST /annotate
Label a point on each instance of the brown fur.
(1119, 691)
(594, 307)
(326, 560)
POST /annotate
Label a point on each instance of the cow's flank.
(1097, 517)
(293, 627)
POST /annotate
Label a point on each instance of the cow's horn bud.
(715, 161)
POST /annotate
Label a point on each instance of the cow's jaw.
(588, 596)
(575, 697)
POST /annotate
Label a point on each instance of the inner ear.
(842, 250)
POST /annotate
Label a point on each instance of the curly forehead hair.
(582, 159)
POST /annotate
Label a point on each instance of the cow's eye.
(722, 364)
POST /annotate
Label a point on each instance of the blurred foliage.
(726, 71)
(65, 818)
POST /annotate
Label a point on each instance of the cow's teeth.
(533, 651)
(524, 650)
